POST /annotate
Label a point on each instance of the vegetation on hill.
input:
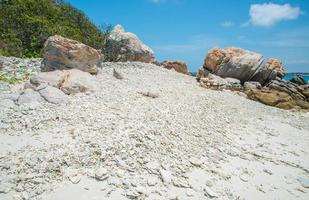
(26, 24)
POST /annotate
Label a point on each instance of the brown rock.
(178, 66)
(277, 98)
(63, 53)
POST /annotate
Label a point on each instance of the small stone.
(166, 176)
(190, 193)
(101, 174)
(244, 177)
(141, 190)
(209, 192)
(195, 161)
(152, 181)
(75, 179)
(268, 171)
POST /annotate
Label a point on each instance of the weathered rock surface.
(78, 81)
(63, 53)
(68, 81)
(216, 82)
(53, 95)
(29, 96)
(178, 66)
(272, 70)
(249, 85)
(233, 62)
(134, 49)
(277, 98)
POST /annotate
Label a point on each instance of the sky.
(187, 29)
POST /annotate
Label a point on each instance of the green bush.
(26, 24)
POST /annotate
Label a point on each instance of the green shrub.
(26, 24)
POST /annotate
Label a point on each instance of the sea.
(289, 76)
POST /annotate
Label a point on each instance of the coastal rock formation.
(232, 62)
(63, 53)
(178, 66)
(277, 98)
(281, 94)
(272, 70)
(130, 47)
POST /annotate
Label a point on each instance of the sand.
(188, 143)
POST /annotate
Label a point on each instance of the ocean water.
(290, 76)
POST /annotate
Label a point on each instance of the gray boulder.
(233, 62)
(53, 95)
(250, 85)
(30, 96)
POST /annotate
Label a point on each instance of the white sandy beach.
(189, 143)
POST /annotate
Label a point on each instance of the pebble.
(152, 181)
(101, 174)
(209, 192)
(166, 176)
(195, 161)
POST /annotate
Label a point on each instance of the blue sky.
(187, 29)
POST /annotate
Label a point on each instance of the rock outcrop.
(281, 94)
(178, 66)
(232, 62)
(131, 48)
(272, 70)
(277, 98)
(62, 53)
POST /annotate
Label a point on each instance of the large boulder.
(272, 70)
(63, 53)
(126, 46)
(178, 66)
(232, 62)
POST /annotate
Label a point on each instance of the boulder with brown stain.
(62, 53)
(233, 62)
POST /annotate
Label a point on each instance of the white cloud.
(227, 24)
(268, 14)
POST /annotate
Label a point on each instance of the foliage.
(15, 76)
(26, 24)
(115, 50)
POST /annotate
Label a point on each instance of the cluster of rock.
(262, 84)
